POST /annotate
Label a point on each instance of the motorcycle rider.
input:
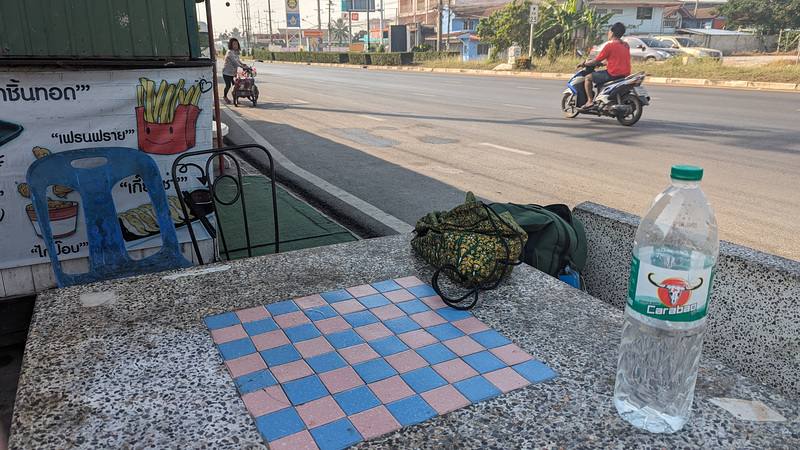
(618, 57)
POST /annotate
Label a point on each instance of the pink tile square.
(406, 361)
(428, 318)
(417, 338)
(408, 282)
(434, 302)
(299, 441)
(348, 306)
(270, 339)
(291, 371)
(265, 401)
(445, 399)
(455, 370)
(464, 345)
(292, 319)
(471, 325)
(332, 325)
(391, 389)
(373, 331)
(374, 422)
(362, 291)
(341, 379)
(320, 412)
(252, 314)
(506, 379)
(511, 354)
(399, 296)
(312, 301)
(245, 364)
(358, 353)
(387, 312)
(313, 347)
(227, 334)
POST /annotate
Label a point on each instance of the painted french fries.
(159, 103)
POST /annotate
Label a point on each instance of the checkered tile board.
(330, 370)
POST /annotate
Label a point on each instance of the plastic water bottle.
(674, 257)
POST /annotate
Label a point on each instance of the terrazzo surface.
(139, 369)
(332, 369)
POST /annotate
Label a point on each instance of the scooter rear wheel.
(633, 102)
(568, 106)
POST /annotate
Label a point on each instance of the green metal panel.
(138, 29)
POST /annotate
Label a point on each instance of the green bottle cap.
(686, 173)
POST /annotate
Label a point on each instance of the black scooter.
(623, 98)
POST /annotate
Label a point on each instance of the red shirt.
(617, 55)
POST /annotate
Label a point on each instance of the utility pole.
(269, 13)
(439, 32)
(330, 4)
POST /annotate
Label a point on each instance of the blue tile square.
(386, 286)
(320, 312)
(302, 332)
(346, 338)
(411, 410)
(279, 424)
(361, 318)
(336, 296)
(445, 331)
(356, 400)
(260, 326)
(255, 381)
(402, 325)
(436, 353)
(374, 301)
(221, 321)
(413, 307)
(374, 370)
(326, 362)
(304, 390)
(422, 291)
(423, 380)
(490, 339)
(285, 307)
(388, 346)
(452, 314)
(534, 371)
(280, 355)
(484, 362)
(477, 389)
(336, 435)
(237, 348)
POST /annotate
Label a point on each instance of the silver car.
(643, 49)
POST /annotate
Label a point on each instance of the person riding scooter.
(617, 55)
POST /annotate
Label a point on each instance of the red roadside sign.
(312, 33)
(353, 16)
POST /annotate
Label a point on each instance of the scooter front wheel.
(568, 106)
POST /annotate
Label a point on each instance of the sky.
(228, 17)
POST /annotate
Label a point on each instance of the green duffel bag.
(556, 238)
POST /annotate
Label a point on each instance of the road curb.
(695, 82)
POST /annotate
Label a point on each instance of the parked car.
(643, 49)
(689, 47)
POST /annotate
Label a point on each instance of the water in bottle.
(674, 257)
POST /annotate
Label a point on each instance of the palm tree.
(339, 31)
(565, 19)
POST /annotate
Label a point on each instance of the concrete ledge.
(753, 315)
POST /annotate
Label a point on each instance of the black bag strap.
(484, 285)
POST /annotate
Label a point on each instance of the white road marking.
(370, 117)
(374, 212)
(302, 102)
(518, 106)
(424, 95)
(500, 147)
(529, 88)
(454, 82)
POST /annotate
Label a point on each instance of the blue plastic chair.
(108, 257)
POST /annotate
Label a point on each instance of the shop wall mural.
(161, 112)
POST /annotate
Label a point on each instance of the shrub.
(362, 59)
(523, 63)
(391, 59)
(427, 56)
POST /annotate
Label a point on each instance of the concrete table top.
(131, 364)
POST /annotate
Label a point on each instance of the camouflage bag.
(472, 245)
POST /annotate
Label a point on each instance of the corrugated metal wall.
(139, 29)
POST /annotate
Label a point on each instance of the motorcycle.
(622, 98)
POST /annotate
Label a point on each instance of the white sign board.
(534, 14)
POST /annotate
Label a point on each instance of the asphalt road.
(378, 149)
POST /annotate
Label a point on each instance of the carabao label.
(673, 295)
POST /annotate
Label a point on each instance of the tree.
(769, 16)
(504, 27)
(565, 19)
(339, 31)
